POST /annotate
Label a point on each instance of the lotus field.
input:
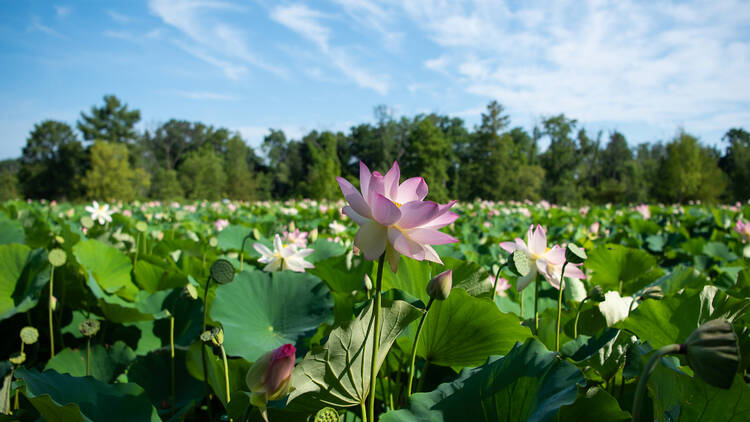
(382, 305)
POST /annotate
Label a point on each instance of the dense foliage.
(493, 161)
(120, 293)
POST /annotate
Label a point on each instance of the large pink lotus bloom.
(537, 252)
(393, 218)
(743, 228)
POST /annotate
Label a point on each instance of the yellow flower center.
(397, 204)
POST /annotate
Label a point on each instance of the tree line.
(495, 161)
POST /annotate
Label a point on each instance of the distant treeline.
(494, 161)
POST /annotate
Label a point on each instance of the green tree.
(276, 148)
(112, 122)
(689, 172)
(736, 162)
(560, 160)
(52, 162)
(9, 186)
(202, 175)
(241, 180)
(487, 162)
(111, 177)
(166, 186)
(427, 155)
(324, 166)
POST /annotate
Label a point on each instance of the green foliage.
(736, 162)
(427, 155)
(166, 186)
(690, 172)
(242, 183)
(202, 175)
(110, 176)
(112, 122)
(325, 166)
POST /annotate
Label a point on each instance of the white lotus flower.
(100, 213)
(337, 227)
(283, 257)
(615, 308)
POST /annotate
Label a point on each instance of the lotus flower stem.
(171, 361)
(559, 308)
(203, 349)
(88, 355)
(49, 309)
(376, 336)
(536, 305)
(497, 277)
(137, 248)
(414, 347)
(242, 250)
(578, 314)
(363, 410)
(640, 390)
(520, 296)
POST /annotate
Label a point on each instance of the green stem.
(536, 305)
(242, 251)
(137, 248)
(414, 347)
(640, 390)
(226, 372)
(578, 314)
(88, 355)
(363, 410)
(203, 350)
(205, 302)
(376, 337)
(49, 309)
(171, 361)
(559, 307)
(497, 277)
(521, 297)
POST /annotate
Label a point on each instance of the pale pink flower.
(393, 218)
(296, 238)
(594, 228)
(221, 224)
(743, 228)
(502, 285)
(644, 211)
(538, 253)
(553, 272)
(127, 213)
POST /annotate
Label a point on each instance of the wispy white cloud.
(119, 17)
(205, 31)
(37, 25)
(306, 22)
(203, 95)
(376, 17)
(62, 11)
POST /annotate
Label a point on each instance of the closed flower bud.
(269, 377)
(191, 291)
(440, 286)
(314, 234)
(597, 294)
(367, 283)
(712, 351)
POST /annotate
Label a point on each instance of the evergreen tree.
(166, 186)
(487, 168)
(560, 160)
(112, 122)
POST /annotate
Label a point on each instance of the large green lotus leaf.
(105, 364)
(260, 312)
(529, 384)
(680, 398)
(464, 330)
(11, 232)
(231, 238)
(23, 275)
(594, 405)
(413, 276)
(215, 369)
(152, 372)
(681, 277)
(334, 272)
(108, 266)
(667, 321)
(61, 397)
(153, 275)
(324, 249)
(615, 264)
(338, 373)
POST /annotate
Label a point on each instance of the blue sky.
(644, 68)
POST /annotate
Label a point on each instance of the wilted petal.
(391, 181)
(417, 213)
(393, 257)
(384, 211)
(430, 237)
(371, 239)
(413, 189)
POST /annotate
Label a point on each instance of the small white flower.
(337, 227)
(283, 257)
(100, 213)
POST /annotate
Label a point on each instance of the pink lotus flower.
(743, 229)
(296, 238)
(538, 253)
(221, 224)
(644, 211)
(553, 272)
(270, 375)
(393, 218)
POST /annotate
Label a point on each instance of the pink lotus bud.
(440, 286)
(271, 373)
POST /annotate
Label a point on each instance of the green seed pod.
(440, 286)
(574, 254)
(89, 327)
(87, 222)
(191, 291)
(29, 335)
(222, 271)
(327, 414)
(57, 257)
(518, 262)
(713, 352)
(18, 358)
(59, 239)
(141, 226)
(206, 336)
(597, 294)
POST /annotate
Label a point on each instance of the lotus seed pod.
(29, 335)
(653, 292)
(87, 222)
(440, 286)
(89, 327)
(213, 242)
(217, 336)
(206, 336)
(597, 294)
(367, 283)
(18, 358)
(713, 352)
(191, 291)
(222, 271)
(574, 254)
(141, 226)
(57, 257)
(327, 414)
(518, 262)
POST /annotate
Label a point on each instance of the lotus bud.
(217, 336)
(222, 271)
(574, 254)
(53, 302)
(89, 327)
(256, 234)
(597, 294)
(314, 234)
(18, 358)
(29, 335)
(713, 352)
(367, 283)
(440, 286)
(653, 292)
(270, 375)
